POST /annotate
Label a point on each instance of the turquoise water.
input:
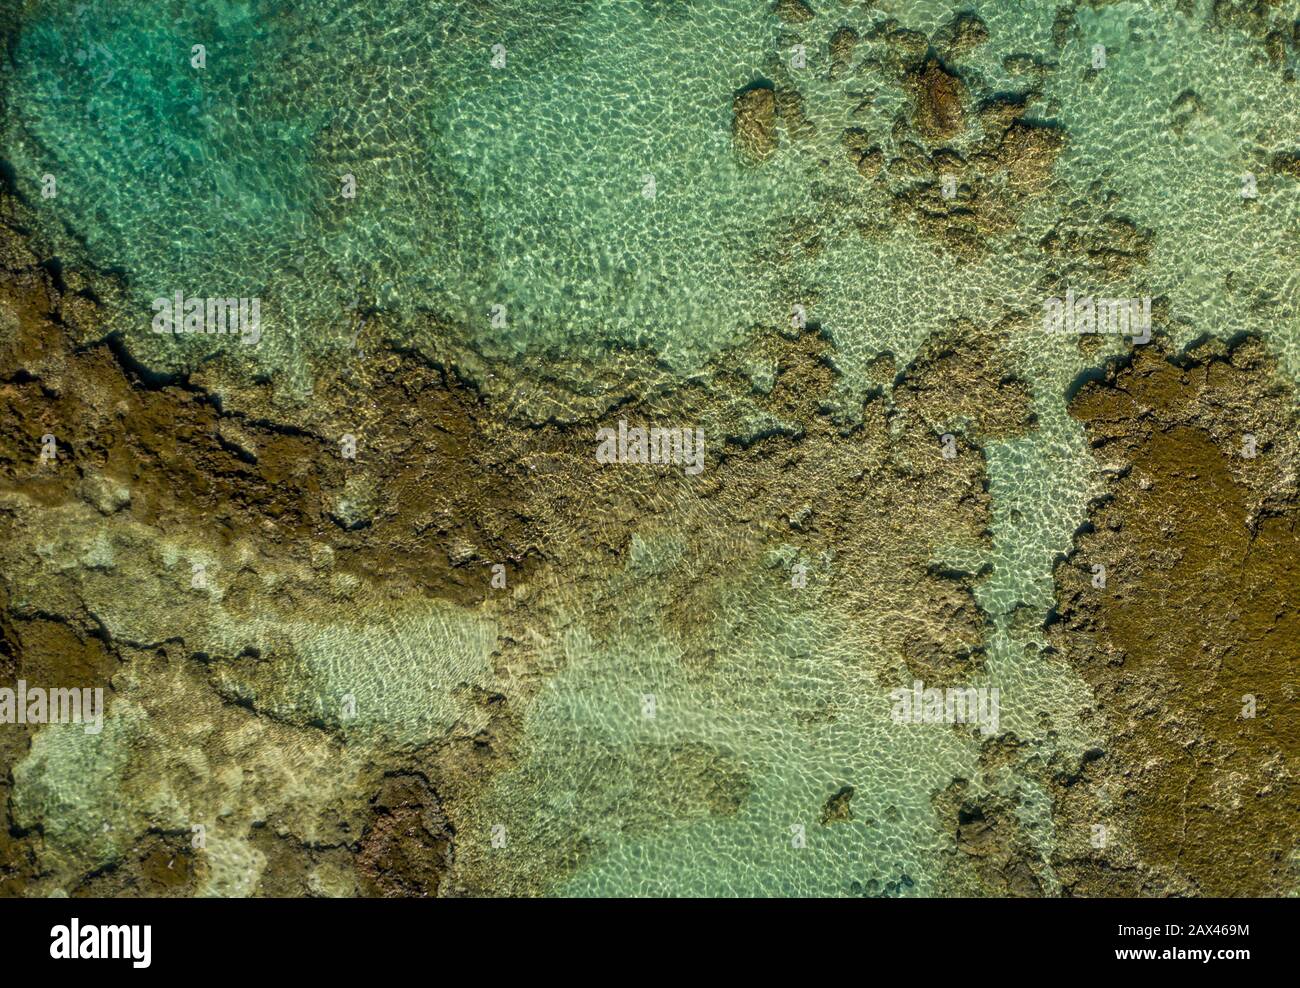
(522, 186)
(526, 186)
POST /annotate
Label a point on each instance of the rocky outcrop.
(938, 101)
(1177, 605)
(843, 43)
(838, 808)
(962, 34)
(794, 11)
(753, 123)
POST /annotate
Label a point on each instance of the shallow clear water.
(528, 186)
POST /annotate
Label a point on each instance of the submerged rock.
(790, 111)
(843, 42)
(407, 847)
(794, 11)
(753, 123)
(938, 97)
(357, 505)
(104, 494)
(1286, 163)
(1189, 649)
(1186, 108)
(963, 33)
(838, 808)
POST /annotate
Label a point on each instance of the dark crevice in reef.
(144, 376)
